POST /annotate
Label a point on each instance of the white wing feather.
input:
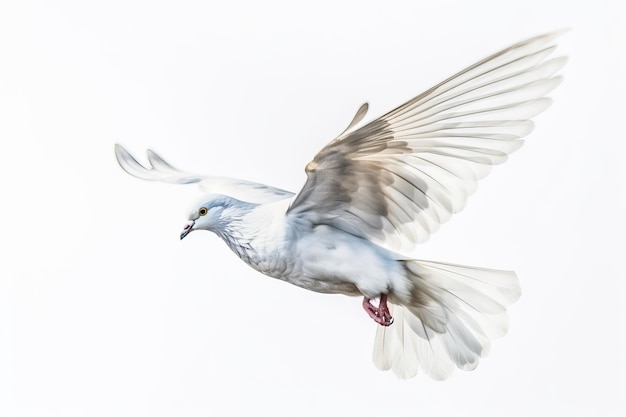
(160, 170)
(395, 180)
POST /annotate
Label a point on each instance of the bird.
(378, 190)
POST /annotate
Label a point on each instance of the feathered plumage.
(375, 192)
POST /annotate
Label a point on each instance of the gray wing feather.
(160, 170)
(397, 178)
(360, 114)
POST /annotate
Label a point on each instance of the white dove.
(376, 191)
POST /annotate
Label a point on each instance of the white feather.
(473, 302)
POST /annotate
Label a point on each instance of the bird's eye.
(203, 211)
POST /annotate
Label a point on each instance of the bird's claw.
(380, 314)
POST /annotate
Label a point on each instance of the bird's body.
(376, 191)
(263, 237)
(319, 258)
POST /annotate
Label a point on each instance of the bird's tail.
(453, 314)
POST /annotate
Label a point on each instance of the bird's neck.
(255, 232)
(232, 230)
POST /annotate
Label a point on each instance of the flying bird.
(374, 193)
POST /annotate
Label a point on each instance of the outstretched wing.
(159, 170)
(396, 179)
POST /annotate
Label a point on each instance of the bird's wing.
(159, 170)
(396, 179)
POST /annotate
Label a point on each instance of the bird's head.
(207, 214)
(215, 212)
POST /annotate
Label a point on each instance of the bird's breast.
(262, 240)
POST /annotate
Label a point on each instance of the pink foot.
(380, 314)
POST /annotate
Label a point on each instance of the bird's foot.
(380, 314)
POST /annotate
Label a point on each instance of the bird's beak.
(187, 228)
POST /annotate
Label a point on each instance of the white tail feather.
(455, 312)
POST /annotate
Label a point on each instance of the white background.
(104, 312)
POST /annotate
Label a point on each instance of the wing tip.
(159, 163)
(130, 165)
(120, 153)
(546, 36)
